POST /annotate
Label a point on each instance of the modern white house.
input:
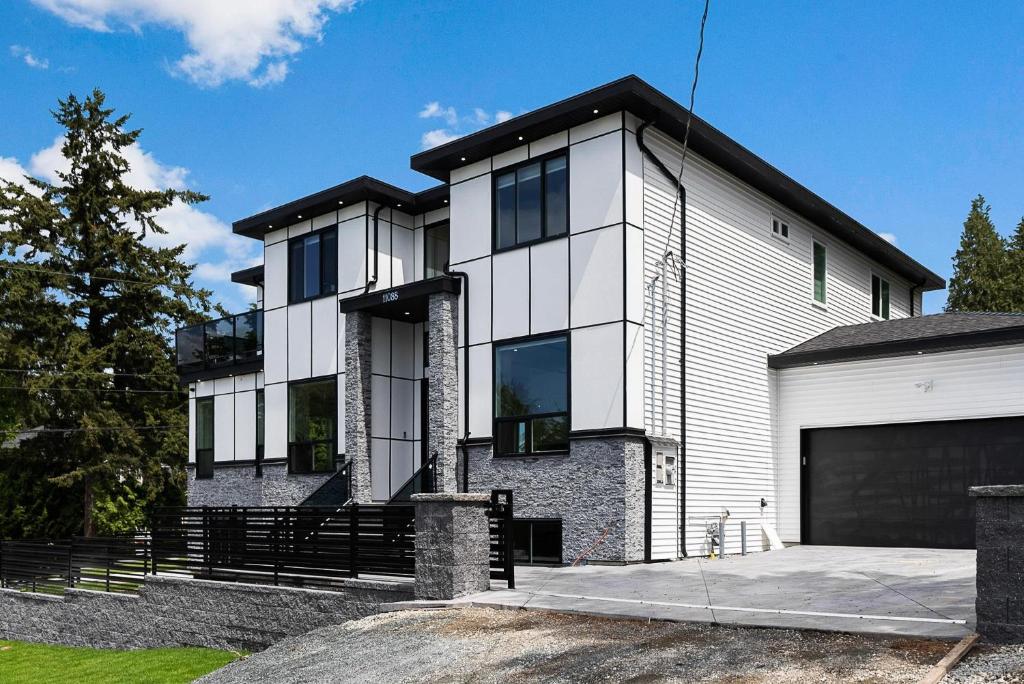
(637, 361)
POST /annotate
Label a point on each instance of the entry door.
(904, 484)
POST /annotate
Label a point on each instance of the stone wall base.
(188, 612)
(233, 485)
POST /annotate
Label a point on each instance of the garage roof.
(904, 336)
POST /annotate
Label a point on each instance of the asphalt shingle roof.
(936, 332)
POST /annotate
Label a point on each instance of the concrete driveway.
(914, 592)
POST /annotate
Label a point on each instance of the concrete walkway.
(913, 592)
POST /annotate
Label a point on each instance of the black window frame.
(881, 297)
(426, 232)
(205, 457)
(815, 244)
(518, 523)
(513, 169)
(294, 446)
(319, 233)
(496, 420)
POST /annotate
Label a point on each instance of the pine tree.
(89, 308)
(1015, 268)
(979, 266)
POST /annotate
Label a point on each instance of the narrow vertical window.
(311, 267)
(820, 271)
(260, 431)
(880, 297)
(296, 276)
(436, 250)
(505, 209)
(328, 262)
(528, 204)
(885, 299)
(204, 438)
(556, 196)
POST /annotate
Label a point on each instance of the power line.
(101, 428)
(90, 389)
(18, 267)
(29, 371)
(686, 133)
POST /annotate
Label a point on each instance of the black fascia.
(921, 345)
(362, 189)
(634, 95)
(407, 303)
(249, 276)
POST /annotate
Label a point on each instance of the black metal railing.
(299, 546)
(223, 342)
(336, 491)
(500, 517)
(423, 481)
(118, 564)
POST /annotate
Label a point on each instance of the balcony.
(226, 346)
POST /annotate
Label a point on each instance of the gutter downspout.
(682, 327)
(464, 442)
(376, 252)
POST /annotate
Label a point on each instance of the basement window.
(204, 438)
(537, 542)
(879, 297)
(780, 228)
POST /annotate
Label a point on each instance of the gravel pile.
(989, 664)
(485, 645)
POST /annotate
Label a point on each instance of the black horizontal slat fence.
(301, 546)
(102, 563)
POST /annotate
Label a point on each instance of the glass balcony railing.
(221, 343)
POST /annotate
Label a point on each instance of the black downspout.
(376, 252)
(464, 442)
(682, 327)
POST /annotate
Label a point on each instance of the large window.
(260, 430)
(531, 202)
(435, 244)
(880, 297)
(537, 541)
(313, 265)
(531, 396)
(820, 271)
(312, 426)
(204, 438)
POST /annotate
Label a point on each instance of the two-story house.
(562, 318)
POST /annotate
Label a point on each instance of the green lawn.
(23, 663)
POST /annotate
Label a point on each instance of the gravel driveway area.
(491, 645)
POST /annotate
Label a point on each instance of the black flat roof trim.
(249, 276)
(361, 189)
(639, 98)
(244, 368)
(400, 296)
(926, 345)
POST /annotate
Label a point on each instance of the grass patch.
(24, 663)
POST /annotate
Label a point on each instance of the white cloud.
(209, 242)
(248, 40)
(23, 53)
(457, 126)
(889, 237)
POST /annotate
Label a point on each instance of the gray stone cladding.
(1000, 562)
(599, 485)
(187, 612)
(452, 545)
(358, 366)
(443, 386)
(238, 486)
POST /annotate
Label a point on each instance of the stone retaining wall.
(189, 612)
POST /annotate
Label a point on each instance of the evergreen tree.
(979, 266)
(88, 308)
(1015, 268)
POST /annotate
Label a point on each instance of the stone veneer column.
(358, 356)
(452, 545)
(1000, 566)
(443, 388)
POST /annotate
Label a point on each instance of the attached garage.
(881, 429)
(904, 484)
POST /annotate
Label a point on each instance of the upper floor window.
(313, 265)
(204, 438)
(820, 272)
(261, 430)
(435, 250)
(780, 228)
(312, 426)
(880, 297)
(531, 202)
(531, 396)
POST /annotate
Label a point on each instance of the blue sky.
(898, 113)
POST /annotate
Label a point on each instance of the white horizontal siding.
(964, 384)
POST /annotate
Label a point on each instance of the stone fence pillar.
(1000, 566)
(452, 545)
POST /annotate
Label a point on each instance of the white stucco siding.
(982, 383)
(748, 294)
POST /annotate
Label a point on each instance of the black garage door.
(904, 484)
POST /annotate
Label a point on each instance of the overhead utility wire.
(90, 389)
(43, 371)
(19, 267)
(101, 428)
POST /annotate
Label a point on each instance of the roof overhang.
(249, 276)
(636, 96)
(407, 303)
(926, 345)
(362, 189)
